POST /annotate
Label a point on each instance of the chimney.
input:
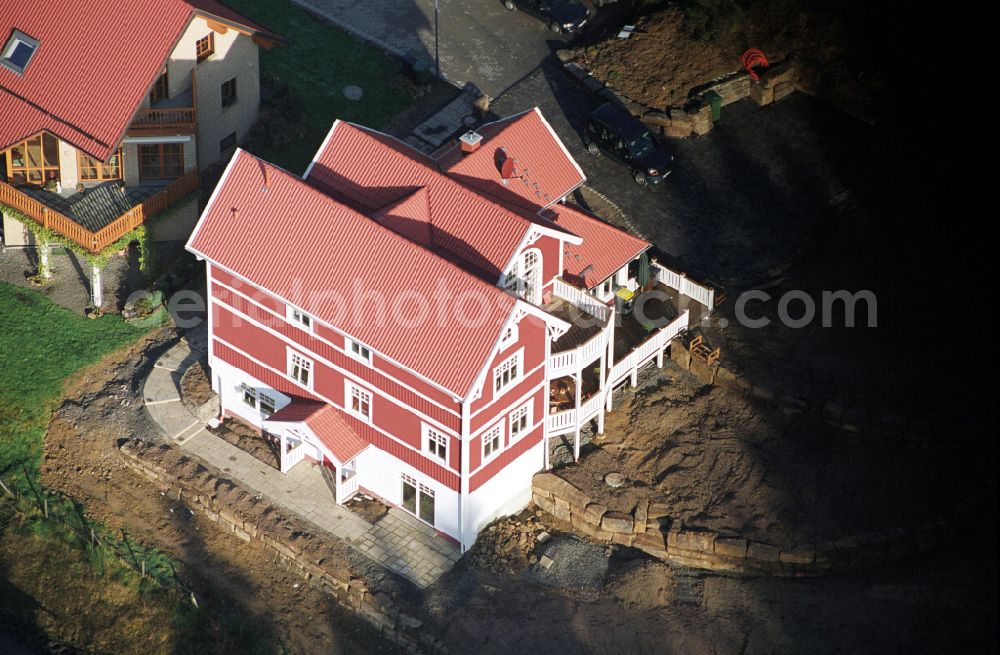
(470, 141)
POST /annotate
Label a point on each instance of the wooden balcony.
(171, 120)
(95, 241)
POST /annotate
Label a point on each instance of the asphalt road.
(480, 41)
(744, 198)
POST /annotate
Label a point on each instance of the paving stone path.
(397, 541)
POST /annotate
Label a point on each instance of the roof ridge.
(378, 226)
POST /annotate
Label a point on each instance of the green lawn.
(40, 344)
(317, 62)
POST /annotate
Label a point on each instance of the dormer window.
(18, 52)
(299, 318)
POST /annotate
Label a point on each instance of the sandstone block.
(760, 94)
(594, 512)
(656, 118)
(783, 90)
(731, 547)
(617, 522)
(763, 552)
(803, 554)
(658, 510)
(695, 540)
(641, 514)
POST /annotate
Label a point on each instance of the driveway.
(480, 41)
(743, 199)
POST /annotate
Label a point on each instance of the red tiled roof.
(333, 262)
(326, 423)
(95, 62)
(370, 171)
(544, 171)
(604, 250)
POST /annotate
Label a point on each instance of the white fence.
(293, 457)
(647, 350)
(580, 299)
(679, 281)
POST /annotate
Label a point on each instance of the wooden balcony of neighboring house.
(169, 116)
(102, 214)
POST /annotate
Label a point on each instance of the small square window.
(300, 368)
(509, 337)
(229, 92)
(249, 395)
(359, 402)
(267, 405)
(204, 47)
(357, 351)
(227, 144)
(492, 441)
(508, 373)
(520, 422)
(436, 443)
(299, 318)
(18, 52)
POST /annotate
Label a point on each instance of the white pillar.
(576, 418)
(284, 449)
(97, 287)
(44, 269)
(609, 356)
(659, 358)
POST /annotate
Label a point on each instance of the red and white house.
(426, 325)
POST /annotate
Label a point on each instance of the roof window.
(18, 52)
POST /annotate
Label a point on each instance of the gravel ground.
(576, 564)
(70, 283)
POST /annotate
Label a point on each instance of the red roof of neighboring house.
(331, 261)
(95, 63)
(543, 170)
(326, 423)
(604, 250)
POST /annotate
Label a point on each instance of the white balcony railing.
(581, 299)
(571, 361)
(647, 350)
(704, 295)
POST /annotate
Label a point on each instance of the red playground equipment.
(755, 62)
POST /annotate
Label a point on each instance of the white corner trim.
(322, 149)
(211, 201)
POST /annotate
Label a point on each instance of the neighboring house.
(125, 100)
(425, 325)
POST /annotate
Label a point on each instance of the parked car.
(561, 15)
(624, 138)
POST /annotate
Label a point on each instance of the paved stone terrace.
(397, 541)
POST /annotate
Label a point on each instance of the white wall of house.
(226, 381)
(381, 474)
(507, 492)
(235, 56)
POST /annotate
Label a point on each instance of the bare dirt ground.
(723, 462)
(196, 388)
(240, 584)
(248, 440)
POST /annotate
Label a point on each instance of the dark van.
(625, 139)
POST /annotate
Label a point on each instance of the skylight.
(18, 51)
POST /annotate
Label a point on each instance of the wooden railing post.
(45, 217)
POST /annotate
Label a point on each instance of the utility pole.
(437, 50)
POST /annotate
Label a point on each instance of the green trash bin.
(715, 102)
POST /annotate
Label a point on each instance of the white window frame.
(247, 391)
(350, 391)
(299, 318)
(493, 434)
(434, 444)
(303, 363)
(358, 354)
(271, 404)
(517, 359)
(18, 38)
(509, 337)
(522, 413)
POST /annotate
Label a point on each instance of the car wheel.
(556, 28)
(639, 177)
(509, 4)
(593, 149)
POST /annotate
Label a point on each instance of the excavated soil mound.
(724, 463)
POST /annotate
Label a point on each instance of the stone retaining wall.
(320, 559)
(649, 527)
(695, 116)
